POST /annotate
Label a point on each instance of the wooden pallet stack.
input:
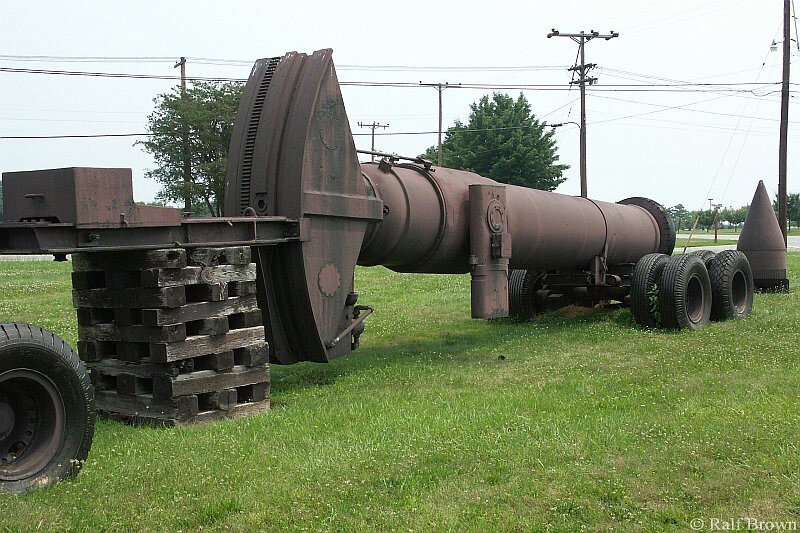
(173, 336)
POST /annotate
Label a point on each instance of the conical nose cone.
(761, 230)
(762, 242)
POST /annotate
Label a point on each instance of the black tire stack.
(686, 291)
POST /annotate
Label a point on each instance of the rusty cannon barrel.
(425, 227)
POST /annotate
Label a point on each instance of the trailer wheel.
(522, 288)
(46, 409)
(644, 290)
(706, 255)
(731, 285)
(685, 293)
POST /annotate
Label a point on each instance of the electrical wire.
(241, 62)
(86, 136)
(354, 134)
(653, 25)
(684, 107)
(656, 87)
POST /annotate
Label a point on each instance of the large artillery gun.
(166, 305)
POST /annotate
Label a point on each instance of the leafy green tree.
(680, 215)
(205, 116)
(737, 216)
(792, 209)
(741, 214)
(705, 220)
(725, 216)
(504, 141)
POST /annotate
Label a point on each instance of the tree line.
(729, 217)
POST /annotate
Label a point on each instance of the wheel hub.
(31, 423)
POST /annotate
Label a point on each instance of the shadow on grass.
(398, 350)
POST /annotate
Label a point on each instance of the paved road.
(793, 241)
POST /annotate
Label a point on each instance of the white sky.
(672, 156)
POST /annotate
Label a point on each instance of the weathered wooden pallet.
(187, 410)
(172, 337)
(162, 277)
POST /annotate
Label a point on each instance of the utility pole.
(582, 38)
(439, 87)
(716, 221)
(187, 163)
(372, 127)
(784, 133)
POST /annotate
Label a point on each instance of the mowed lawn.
(695, 242)
(440, 422)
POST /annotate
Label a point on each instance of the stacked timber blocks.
(172, 337)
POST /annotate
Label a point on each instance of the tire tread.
(722, 271)
(647, 271)
(18, 333)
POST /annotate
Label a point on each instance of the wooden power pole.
(583, 68)
(784, 134)
(439, 87)
(187, 162)
(372, 126)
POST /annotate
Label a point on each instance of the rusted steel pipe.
(426, 224)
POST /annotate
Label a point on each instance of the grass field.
(439, 422)
(723, 231)
(695, 242)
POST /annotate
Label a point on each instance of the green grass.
(442, 422)
(723, 231)
(695, 242)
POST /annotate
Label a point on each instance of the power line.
(87, 136)
(249, 62)
(720, 127)
(86, 59)
(176, 134)
(115, 75)
(655, 87)
(354, 134)
(653, 24)
(684, 107)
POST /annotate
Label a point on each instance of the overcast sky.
(663, 140)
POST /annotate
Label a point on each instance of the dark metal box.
(94, 197)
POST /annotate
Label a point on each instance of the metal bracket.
(367, 310)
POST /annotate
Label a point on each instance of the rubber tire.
(706, 255)
(646, 273)
(666, 226)
(679, 273)
(26, 346)
(724, 268)
(522, 288)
